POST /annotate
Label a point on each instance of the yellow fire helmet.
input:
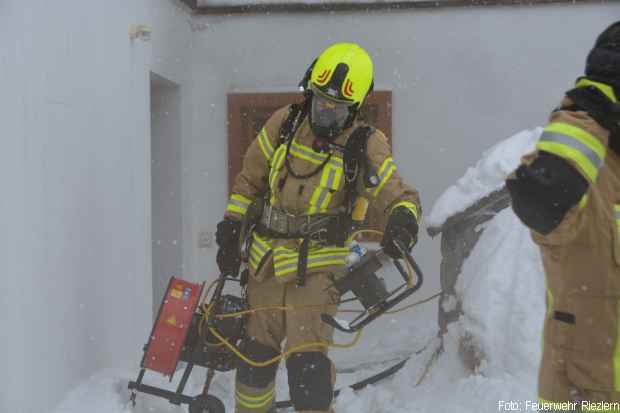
(343, 72)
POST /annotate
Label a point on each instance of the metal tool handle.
(414, 265)
(386, 305)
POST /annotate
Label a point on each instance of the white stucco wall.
(462, 79)
(75, 156)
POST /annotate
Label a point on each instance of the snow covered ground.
(502, 291)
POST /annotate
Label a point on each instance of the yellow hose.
(276, 359)
(223, 341)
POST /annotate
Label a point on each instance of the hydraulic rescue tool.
(207, 332)
(370, 290)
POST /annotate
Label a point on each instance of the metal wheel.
(206, 404)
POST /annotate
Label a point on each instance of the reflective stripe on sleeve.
(238, 203)
(606, 89)
(410, 206)
(573, 143)
(276, 166)
(265, 144)
(385, 172)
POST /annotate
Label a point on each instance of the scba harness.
(316, 226)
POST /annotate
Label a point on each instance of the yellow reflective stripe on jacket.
(606, 89)
(331, 179)
(285, 261)
(573, 143)
(304, 152)
(238, 203)
(410, 206)
(258, 250)
(384, 173)
(255, 402)
(265, 144)
(276, 166)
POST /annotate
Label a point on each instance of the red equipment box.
(171, 327)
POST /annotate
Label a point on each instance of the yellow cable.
(207, 308)
(363, 231)
(286, 353)
(414, 304)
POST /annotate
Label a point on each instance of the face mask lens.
(328, 113)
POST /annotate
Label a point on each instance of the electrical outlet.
(205, 239)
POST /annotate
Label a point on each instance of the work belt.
(322, 228)
(277, 223)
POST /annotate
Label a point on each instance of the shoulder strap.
(355, 157)
(296, 114)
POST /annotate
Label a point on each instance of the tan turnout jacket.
(581, 352)
(264, 169)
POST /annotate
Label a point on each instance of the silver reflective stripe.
(331, 177)
(285, 268)
(336, 162)
(258, 248)
(275, 167)
(573, 143)
(310, 154)
(299, 149)
(311, 261)
(264, 140)
(322, 197)
(386, 170)
(238, 203)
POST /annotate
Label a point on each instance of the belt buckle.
(319, 236)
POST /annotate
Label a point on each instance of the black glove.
(402, 226)
(227, 238)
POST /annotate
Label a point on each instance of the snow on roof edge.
(486, 177)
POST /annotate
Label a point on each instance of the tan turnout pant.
(311, 373)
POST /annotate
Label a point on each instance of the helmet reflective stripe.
(344, 68)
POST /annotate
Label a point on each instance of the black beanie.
(603, 63)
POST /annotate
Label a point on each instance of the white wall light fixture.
(140, 31)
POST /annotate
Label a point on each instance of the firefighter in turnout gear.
(308, 169)
(568, 193)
